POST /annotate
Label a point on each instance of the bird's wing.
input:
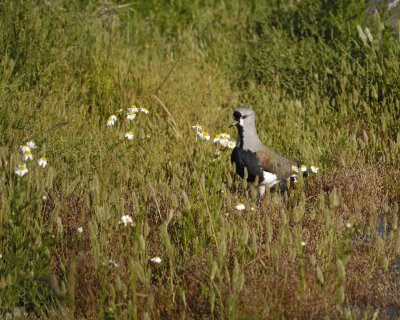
(271, 162)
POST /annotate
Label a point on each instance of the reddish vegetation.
(275, 286)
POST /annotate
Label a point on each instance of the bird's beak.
(234, 123)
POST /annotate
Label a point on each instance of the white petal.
(126, 219)
(134, 109)
(25, 148)
(197, 127)
(131, 116)
(225, 135)
(21, 170)
(42, 162)
(31, 144)
(231, 144)
(111, 261)
(225, 142)
(240, 207)
(314, 169)
(156, 259)
(28, 156)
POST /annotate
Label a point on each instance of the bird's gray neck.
(248, 138)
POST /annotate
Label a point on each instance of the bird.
(260, 162)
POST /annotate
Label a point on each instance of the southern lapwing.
(260, 162)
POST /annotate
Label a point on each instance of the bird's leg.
(261, 191)
(283, 187)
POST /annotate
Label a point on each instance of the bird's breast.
(246, 160)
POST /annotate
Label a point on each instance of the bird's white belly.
(270, 179)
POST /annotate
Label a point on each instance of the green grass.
(323, 93)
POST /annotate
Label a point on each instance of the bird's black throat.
(241, 136)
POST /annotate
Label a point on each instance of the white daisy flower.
(314, 169)
(25, 148)
(203, 135)
(156, 259)
(231, 144)
(216, 138)
(303, 243)
(206, 135)
(42, 162)
(197, 127)
(126, 219)
(79, 229)
(348, 225)
(303, 168)
(129, 135)
(224, 142)
(133, 109)
(131, 116)
(28, 155)
(240, 207)
(225, 135)
(111, 120)
(113, 263)
(21, 170)
(31, 144)
(222, 138)
(295, 169)
(145, 110)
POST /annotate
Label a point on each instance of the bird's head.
(243, 117)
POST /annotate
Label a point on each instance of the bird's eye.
(243, 117)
